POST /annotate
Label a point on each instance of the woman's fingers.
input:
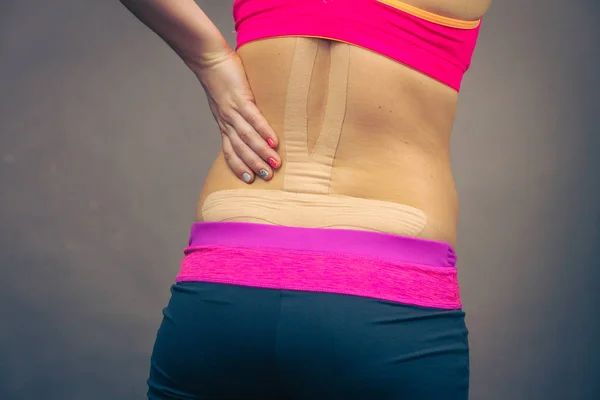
(235, 163)
(247, 134)
(250, 113)
(247, 155)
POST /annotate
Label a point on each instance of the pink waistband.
(376, 265)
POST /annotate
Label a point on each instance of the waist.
(387, 267)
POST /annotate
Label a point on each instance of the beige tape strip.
(304, 172)
(277, 207)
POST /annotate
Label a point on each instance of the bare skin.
(395, 137)
(395, 140)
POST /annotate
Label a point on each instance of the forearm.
(185, 28)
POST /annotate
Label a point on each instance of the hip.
(237, 342)
(311, 313)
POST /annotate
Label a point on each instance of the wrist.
(208, 59)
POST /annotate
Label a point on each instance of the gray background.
(106, 139)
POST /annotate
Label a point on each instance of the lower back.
(364, 143)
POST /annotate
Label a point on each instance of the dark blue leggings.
(221, 341)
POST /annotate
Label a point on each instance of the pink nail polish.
(271, 143)
(272, 162)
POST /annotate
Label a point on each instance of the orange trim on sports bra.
(431, 17)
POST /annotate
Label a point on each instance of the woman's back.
(364, 140)
(267, 311)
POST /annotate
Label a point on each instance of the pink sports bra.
(437, 46)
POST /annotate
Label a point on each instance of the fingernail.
(263, 173)
(272, 162)
(246, 177)
(271, 143)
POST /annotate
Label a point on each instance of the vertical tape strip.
(324, 152)
(304, 172)
(295, 123)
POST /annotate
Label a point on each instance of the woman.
(321, 265)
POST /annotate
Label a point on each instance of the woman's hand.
(248, 139)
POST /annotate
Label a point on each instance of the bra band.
(437, 46)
